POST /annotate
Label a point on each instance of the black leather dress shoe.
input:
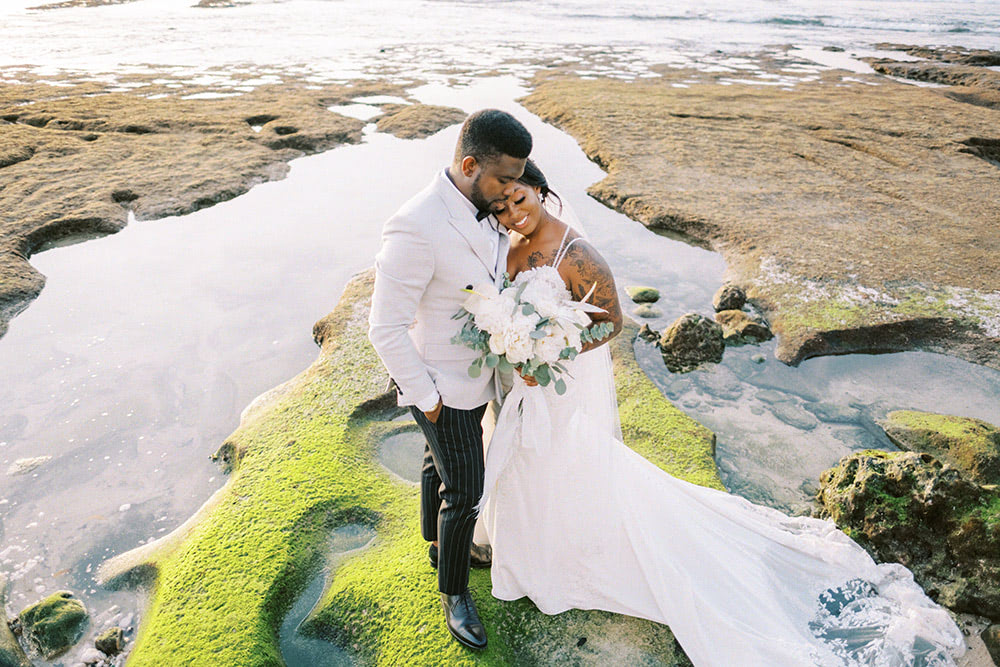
(463, 620)
(480, 555)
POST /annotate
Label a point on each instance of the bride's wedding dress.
(579, 520)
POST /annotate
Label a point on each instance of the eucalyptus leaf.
(492, 360)
(527, 309)
(560, 386)
(475, 370)
(537, 334)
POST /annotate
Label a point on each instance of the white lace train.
(579, 520)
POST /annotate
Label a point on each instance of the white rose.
(496, 344)
(517, 339)
(539, 293)
(548, 348)
(494, 315)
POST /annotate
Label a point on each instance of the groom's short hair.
(490, 133)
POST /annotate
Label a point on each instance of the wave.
(781, 20)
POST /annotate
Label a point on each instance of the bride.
(578, 520)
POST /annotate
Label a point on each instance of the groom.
(440, 242)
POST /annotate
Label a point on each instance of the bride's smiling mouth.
(519, 224)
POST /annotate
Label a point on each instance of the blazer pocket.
(448, 352)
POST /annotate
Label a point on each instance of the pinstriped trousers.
(450, 487)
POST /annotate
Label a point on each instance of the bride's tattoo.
(538, 258)
(592, 270)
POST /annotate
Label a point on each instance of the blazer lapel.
(470, 231)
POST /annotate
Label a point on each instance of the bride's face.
(523, 210)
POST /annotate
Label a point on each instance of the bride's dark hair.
(534, 177)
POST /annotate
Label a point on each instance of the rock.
(793, 415)
(641, 294)
(11, 653)
(945, 74)
(832, 413)
(92, 656)
(739, 327)
(772, 396)
(950, 54)
(691, 340)
(24, 466)
(834, 49)
(648, 334)
(111, 641)
(416, 121)
(911, 508)
(729, 297)
(647, 311)
(54, 624)
(971, 445)
(758, 358)
(991, 637)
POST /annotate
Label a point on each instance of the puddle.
(403, 455)
(301, 651)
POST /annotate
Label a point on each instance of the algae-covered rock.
(971, 445)
(647, 310)
(641, 294)
(740, 327)
(11, 653)
(416, 121)
(111, 641)
(991, 637)
(911, 508)
(54, 624)
(729, 297)
(690, 341)
(307, 462)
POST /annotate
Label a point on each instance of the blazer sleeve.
(403, 268)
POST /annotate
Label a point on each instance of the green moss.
(971, 445)
(54, 623)
(652, 426)
(306, 463)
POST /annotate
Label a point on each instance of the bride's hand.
(528, 379)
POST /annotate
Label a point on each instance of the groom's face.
(495, 180)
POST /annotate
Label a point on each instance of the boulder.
(691, 340)
(641, 294)
(911, 508)
(54, 624)
(729, 297)
(740, 327)
(970, 445)
(647, 311)
(991, 637)
(111, 641)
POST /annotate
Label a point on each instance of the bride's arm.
(583, 268)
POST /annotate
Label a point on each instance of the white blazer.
(432, 248)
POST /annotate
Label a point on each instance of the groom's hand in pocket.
(433, 415)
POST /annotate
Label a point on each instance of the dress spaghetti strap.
(563, 248)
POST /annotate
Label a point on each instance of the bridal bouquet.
(529, 324)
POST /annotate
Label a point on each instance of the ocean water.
(340, 39)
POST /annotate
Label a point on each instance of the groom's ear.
(469, 165)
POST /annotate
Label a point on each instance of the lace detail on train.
(579, 520)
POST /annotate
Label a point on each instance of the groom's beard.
(477, 198)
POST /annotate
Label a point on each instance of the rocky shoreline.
(858, 213)
(77, 159)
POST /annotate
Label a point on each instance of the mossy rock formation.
(304, 460)
(54, 624)
(11, 653)
(416, 121)
(858, 217)
(971, 445)
(910, 508)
